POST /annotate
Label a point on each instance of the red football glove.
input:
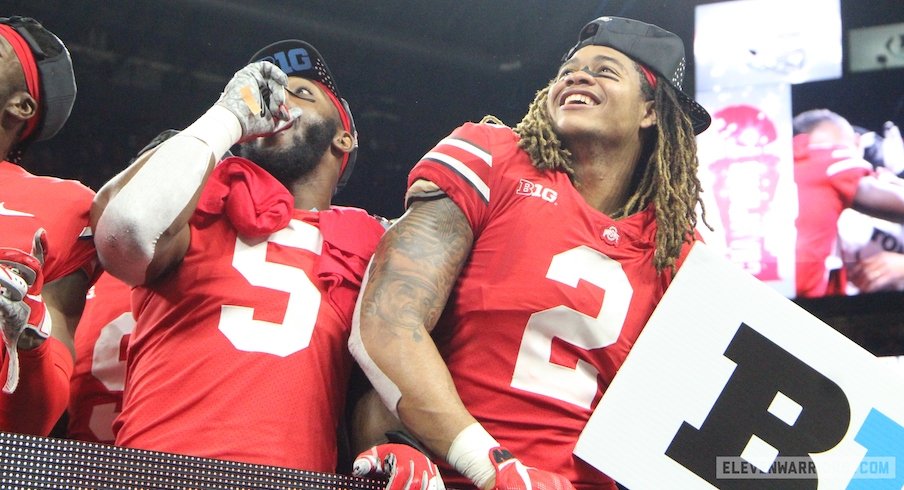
(20, 269)
(406, 467)
(21, 308)
(511, 474)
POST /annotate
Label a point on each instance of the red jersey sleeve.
(101, 340)
(462, 165)
(43, 391)
(845, 176)
(60, 208)
(70, 242)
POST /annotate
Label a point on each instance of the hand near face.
(256, 95)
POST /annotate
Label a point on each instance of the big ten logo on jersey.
(528, 188)
(291, 61)
(731, 385)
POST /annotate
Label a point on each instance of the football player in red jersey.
(502, 303)
(45, 238)
(831, 175)
(246, 275)
(872, 249)
(101, 340)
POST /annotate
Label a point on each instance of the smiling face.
(598, 94)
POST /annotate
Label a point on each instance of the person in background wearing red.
(831, 176)
(47, 256)
(101, 342)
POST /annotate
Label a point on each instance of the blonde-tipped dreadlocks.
(668, 180)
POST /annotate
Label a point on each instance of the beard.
(291, 162)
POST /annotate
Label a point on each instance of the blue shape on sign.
(883, 439)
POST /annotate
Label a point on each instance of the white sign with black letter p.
(730, 382)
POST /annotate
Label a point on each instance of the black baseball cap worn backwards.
(654, 47)
(56, 76)
(299, 59)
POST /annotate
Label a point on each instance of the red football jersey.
(240, 352)
(550, 302)
(40, 398)
(101, 340)
(28, 204)
(827, 179)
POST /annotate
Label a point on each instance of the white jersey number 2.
(295, 331)
(534, 371)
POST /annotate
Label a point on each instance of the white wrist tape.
(469, 454)
(218, 128)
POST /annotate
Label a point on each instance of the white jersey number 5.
(294, 333)
(534, 371)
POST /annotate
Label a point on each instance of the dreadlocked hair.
(539, 140)
(668, 180)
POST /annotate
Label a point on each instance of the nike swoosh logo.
(12, 212)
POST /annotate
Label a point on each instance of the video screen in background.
(749, 54)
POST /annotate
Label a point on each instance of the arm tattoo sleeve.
(416, 266)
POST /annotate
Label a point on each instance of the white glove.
(256, 95)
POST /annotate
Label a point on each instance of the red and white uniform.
(101, 340)
(550, 302)
(29, 203)
(827, 179)
(240, 352)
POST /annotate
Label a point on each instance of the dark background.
(412, 70)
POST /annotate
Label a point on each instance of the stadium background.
(412, 71)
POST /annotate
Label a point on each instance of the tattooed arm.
(411, 276)
(413, 271)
